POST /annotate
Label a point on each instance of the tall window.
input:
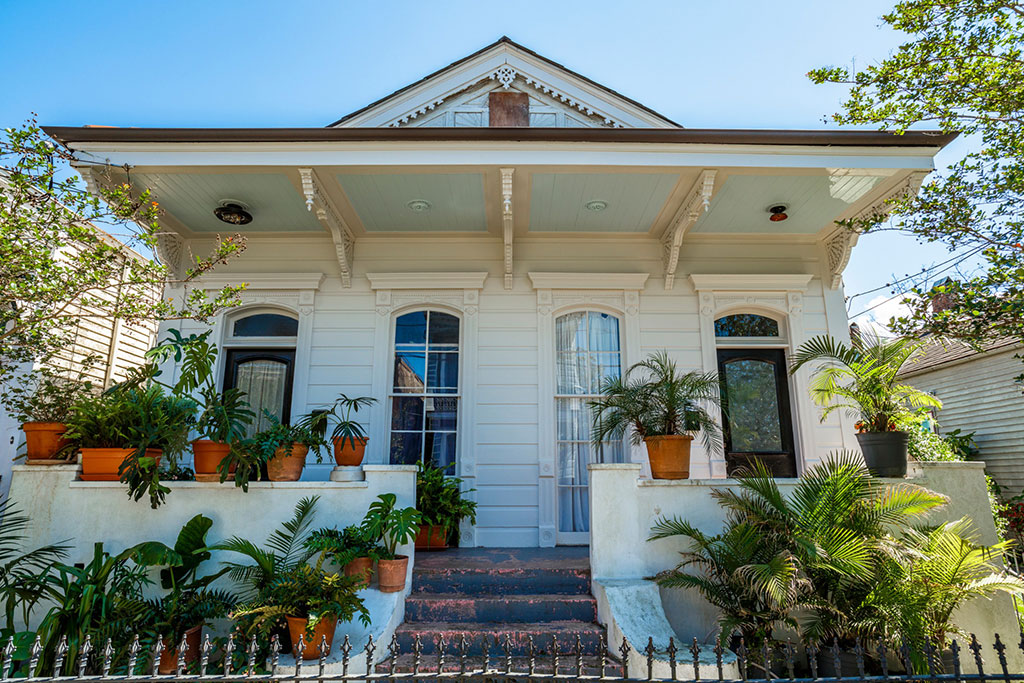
(425, 389)
(588, 352)
(260, 361)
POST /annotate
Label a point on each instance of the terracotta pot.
(169, 657)
(432, 538)
(284, 467)
(102, 464)
(360, 566)
(391, 574)
(669, 456)
(352, 454)
(324, 628)
(44, 439)
(206, 457)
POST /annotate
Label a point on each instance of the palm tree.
(862, 378)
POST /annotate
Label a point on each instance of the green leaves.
(391, 525)
(439, 498)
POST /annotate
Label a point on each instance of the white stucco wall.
(506, 432)
(619, 550)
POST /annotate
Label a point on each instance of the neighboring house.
(980, 394)
(113, 346)
(479, 249)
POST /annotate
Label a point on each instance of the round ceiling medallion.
(596, 205)
(419, 205)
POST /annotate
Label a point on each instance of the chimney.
(941, 300)
(509, 109)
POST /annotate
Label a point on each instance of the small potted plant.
(124, 432)
(440, 500)
(862, 378)
(189, 603)
(350, 548)
(284, 448)
(662, 408)
(41, 401)
(390, 527)
(348, 436)
(312, 602)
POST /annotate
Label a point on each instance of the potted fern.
(861, 378)
(660, 407)
(439, 498)
(283, 448)
(351, 548)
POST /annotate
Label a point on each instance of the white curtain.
(264, 383)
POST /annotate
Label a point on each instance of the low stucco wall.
(625, 506)
(79, 513)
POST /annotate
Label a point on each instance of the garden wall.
(620, 553)
(79, 513)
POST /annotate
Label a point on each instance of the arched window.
(746, 325)
(587, 352)
(260, 360)
(425, 389)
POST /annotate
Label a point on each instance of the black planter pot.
(885, 453)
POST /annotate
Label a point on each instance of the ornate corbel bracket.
(695, 204)
(168, 248)
(318, 202)
(840, 242)
(507, 225)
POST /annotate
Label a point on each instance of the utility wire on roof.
(968, 254)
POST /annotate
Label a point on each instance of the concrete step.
(544, 636)
(501, 580)
(405, 664)
(461, 608)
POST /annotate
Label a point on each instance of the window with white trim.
(425, 389)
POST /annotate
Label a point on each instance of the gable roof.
(938, 352)
(600, 96)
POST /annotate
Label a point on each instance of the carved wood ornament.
(695, 204)
(318, 201)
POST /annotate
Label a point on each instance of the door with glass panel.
(265, 375)
(755, 402)
(587, 352)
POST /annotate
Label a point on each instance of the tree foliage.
(962, 69)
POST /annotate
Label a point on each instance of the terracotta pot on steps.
(102, 464)
(351, 454)
(285, 467)
(44, 439)
(432, 538)
(311, 643)
(207, 456)
(169, 657)
(669, 456)
(361, 566)
(391, 574)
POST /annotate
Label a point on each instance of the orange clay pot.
(284, 467)
(102, 464)
(361, 566)
(206, 458)
(324, 628)
(44, 439)
(169, 657)
(352, 454)
(391, 574)
(669, 456)
(432, 538)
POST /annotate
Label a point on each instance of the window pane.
(442, 413)
(406, 448)
(263, 381)
(604, 332)
(573, 375)
(407, 413)
(752, 407)
(746, 325)
(571, 332)
(266, 325)
(572, 464)
(440, 449)
(411, 328)
(410, 372)
(603, 366)
(574, 419)
(444, 328)
(443, 373)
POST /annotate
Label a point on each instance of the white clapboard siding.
(980, 395)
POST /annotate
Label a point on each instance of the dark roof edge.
(508, 41)
(846, 138)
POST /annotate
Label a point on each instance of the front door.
(265, 375)
(755, 402)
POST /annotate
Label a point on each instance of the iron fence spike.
(346, 650)
(554, 655)
(624, 652)
(649, 654)
(108, 656)
(907, 655)
(741, 656)
(508, 652)
(1000, 649)
(8, 657)
(954, 648)
(602, 656)
(975, 647)
(790, 659)
(718, 657)
(442, 651)
(34, 652)
(858, 652)
(229, 651)
(417, 648)
(835, 657)
(462, 654)
(883, 659)
(299, 649)
(272, 659)
(766, 658)
(371, 647)
(133, 655)
(323, 654)
(250, 668)
(812, 659)
(158, 649)
(62, 653)
(929, 658)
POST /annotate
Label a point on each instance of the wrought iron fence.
(512, 659)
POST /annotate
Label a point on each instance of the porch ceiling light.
(778, 213)
(232, 212)
(419, 206)
(596, 205)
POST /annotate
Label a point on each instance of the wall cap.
(615, 466)
(390, 468)
(317, 485)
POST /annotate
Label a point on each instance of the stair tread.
(576, 558)
(482, 627)
(591, 665)
(513, 597)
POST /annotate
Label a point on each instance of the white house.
(478, 249)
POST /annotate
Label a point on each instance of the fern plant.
(440, 499)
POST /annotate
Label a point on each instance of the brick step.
(457, 607)
(519, 634)
(501, 580)
(404, 664)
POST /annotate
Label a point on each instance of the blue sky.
(257, 63)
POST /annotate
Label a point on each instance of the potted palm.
(283, 448)
(862, 378)
(348, 436)
(390, 527)
(41, 401)
(662, 408)
(440, 500)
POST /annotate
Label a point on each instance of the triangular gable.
(457, 94)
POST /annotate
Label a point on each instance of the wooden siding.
(980, 395)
